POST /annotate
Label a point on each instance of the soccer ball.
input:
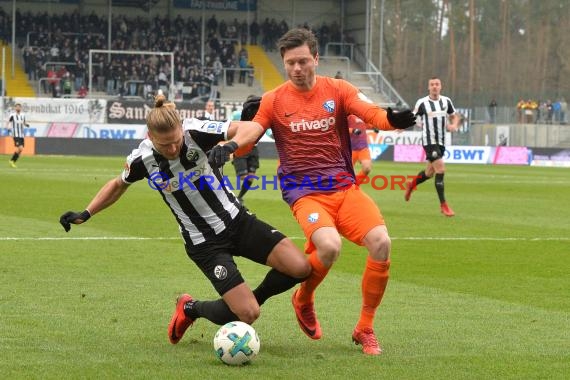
(236, 343)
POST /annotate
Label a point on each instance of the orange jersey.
(311, 134)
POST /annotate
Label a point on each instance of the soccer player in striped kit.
(436, 115)
(215, 227)
(17, 122)
(308, 117)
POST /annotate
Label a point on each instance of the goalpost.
(131, 52)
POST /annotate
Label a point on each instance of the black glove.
(402, 119)
(250, 108)
(220, 154)
(73, 217)
(356, 131)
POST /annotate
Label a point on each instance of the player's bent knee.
(379, 244)
(328, 244)
(250, 314)
(329, 250)
(301, 270)
(331, 244)
(288, 259)
(296, 267)
(385, 243)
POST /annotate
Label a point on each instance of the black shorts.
(247, 164)
(434, 152)
(19, 141)
(247, 237)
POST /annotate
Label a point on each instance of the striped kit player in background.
(16, 123)
(435, 114)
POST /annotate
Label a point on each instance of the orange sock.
(306, 292)
(374, 281)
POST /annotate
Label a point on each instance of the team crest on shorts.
(329, 106)
(313, 217)
(220, 272)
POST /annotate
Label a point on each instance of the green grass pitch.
(483, 295)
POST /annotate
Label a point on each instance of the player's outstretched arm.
(401, 120)
(107, 195)
(243, 134)
(250, 108)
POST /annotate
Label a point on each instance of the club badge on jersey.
(329, 106)
(207, 126)
(192, 155)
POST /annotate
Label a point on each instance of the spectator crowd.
(56, 48)
(542, 112)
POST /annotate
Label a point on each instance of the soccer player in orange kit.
(359, 145)
(308, 117)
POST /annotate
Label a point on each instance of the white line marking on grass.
(482, 238)
(91, 238)
(433, 238)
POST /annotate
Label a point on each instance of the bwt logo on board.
(466, 154)
(109, 133)
(28, 132)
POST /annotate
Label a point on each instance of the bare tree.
(503, 49)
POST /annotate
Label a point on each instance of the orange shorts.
(352, 212)
(360, 155)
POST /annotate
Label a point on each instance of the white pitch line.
(474, 238)
(91, 238)
(433, 238)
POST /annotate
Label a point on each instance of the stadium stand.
(53, 57)
(17, 84)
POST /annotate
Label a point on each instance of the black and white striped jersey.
(18, 122)
(432, 116)
(202, 206)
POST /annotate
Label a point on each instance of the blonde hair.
(163, 117)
